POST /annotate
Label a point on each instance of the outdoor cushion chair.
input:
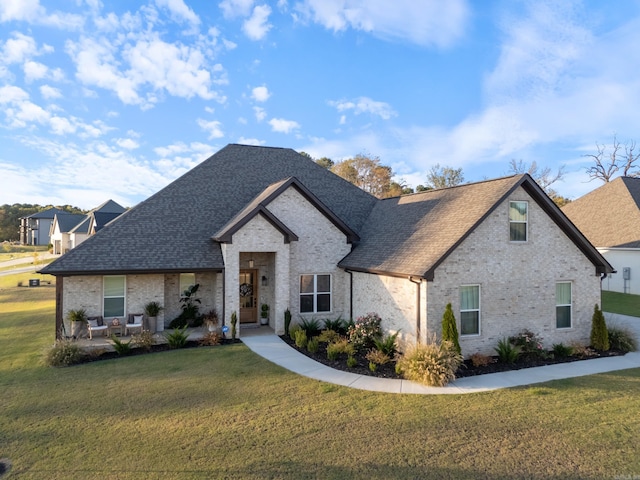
(96, 324)
(134, 321)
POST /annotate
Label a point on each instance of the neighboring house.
(609, 217)
(35, 229)
(70, 230)
(254, 225)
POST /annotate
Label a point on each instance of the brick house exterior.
(291, 234)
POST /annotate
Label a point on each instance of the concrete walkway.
(268, 345)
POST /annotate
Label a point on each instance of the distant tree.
(442, 177)
(610, 160)
(10, 216)
(325, 162)
(422, 188)
(305, 154)
(367, 173)
(543, 177)
(399, 188)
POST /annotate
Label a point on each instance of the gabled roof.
(609, 216)
(413, 234)
(172, 230)
(68, 221)
(259, 206)
(110, 207)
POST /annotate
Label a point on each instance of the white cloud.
(260, 94)
(61, 126)
(49, 92)
(236, 8)
(18, 49)
(261, 113)
(34, 71)
(212, 127)
(250, 141)
(127, 143)
(427, 22)
(283, 126)
(257, 26)
(179, 10)
(31, 11)
(365, 105)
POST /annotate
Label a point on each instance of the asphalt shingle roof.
(609, 216)
(172, 230)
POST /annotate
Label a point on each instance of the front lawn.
(621, 303)
(223, 412)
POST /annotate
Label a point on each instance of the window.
(113, 296)
(470, 310)
(563, 305)
(315, 293)
(518, 221)
(186, 281)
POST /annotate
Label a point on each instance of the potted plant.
(78, 319)
(152, 310)
(264, 314)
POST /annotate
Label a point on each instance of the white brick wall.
(517, 281)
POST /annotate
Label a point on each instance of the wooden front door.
(248, 296)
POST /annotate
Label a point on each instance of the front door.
(248, 296)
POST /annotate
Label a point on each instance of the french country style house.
(259, 225)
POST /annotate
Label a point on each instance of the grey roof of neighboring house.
(68, 221)
(609, 216)
(110, 207)
(172, 230)
(411, 235)
(48, 213)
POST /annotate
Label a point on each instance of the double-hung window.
(563, 305)
(315, 293)
(518, 220)
(113, 297)
(470, 310)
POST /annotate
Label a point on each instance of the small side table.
(113, 329)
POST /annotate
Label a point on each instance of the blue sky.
(115, 99)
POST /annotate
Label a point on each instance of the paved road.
(24, 264)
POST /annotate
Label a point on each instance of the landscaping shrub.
(561, 350)
(480, 360)
(351, 361)
(622, 339)
(582, 351)
(143, 340)
(377, 357)
(507, 352)
(121, 347)
(301, 338)
(328, 336)
(234, 323)
(528, 343)
(287, 321)
(387, 345)
(599, 333)
(64, 353)
(310, 326)
(313, 345)
(338, 347)
(365, 330)
(449, 328)
(433, 363)
(210, 339)
(336, 325)
(292, 331)
(177, 338)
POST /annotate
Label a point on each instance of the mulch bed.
(466, 370)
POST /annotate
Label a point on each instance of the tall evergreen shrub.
(449, 328)
(599, 333)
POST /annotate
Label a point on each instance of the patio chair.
(134, 321)
(96, 324)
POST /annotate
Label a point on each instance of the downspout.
(418, 283)
(224, 296)
(350, 293)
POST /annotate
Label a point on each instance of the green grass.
(11, 252)
(621, 303)
(223, 412)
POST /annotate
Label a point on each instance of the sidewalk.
(270, 346)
